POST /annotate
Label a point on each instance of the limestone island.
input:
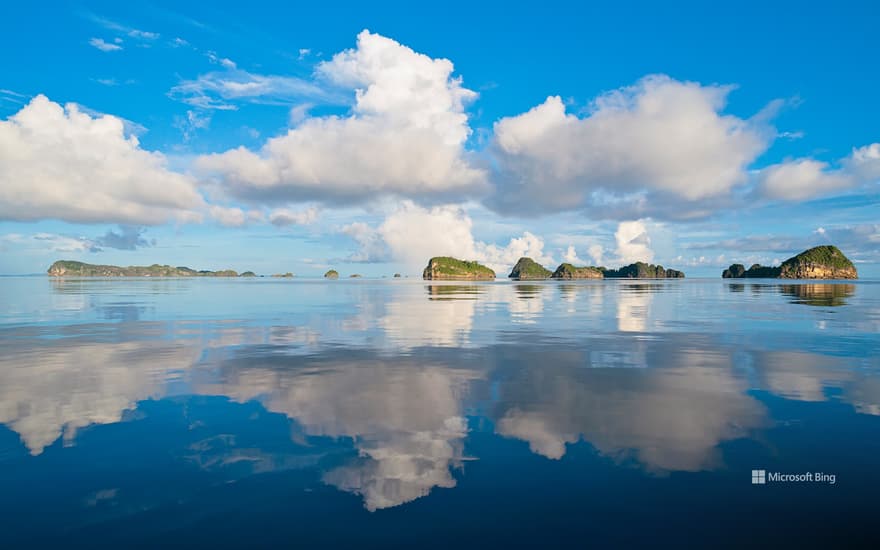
(820, 262)
(287, 275)
(642, 270)
(332, 274)
(446, 268)
(568, 271)
(68, 268)
(527, 269)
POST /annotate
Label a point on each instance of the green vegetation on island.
(287, 275)
(568, 271)
(69, 268)
(445, 267)
(354, 276)
(248, 274)
(331, 274)
(397, 275)
(529, 269)
(820, 262)
(642, 270)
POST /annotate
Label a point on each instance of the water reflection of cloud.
(669, 418)
(526, 305)
(633, 304)
(809, 377)
(50, 387)
(444, 318)
(404, 417)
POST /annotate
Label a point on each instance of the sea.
(402, 413)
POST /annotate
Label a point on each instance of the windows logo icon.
(759, 477)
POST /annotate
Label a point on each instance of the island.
(287, 275)
(331, 274)
(642, 270)
(248, 274)
(354, 276)
(819, 262)
(448, 268)
(397, 275)
(568, 271)
(69, 268)
(528, 269)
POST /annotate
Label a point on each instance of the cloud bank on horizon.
(655, 152)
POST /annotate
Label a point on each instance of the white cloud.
(128, 237)
(303, 53)
(658, 136)
(801, 179)
(299, 113)
(571, 256)
(405, 135)
(229, 216)
(221, 90)
(145, 35)
(104, 46)
(371, 246)
(597, 252)
(413, 234)
(806, 178)
(191, 123)
(47, 242)
(61, 163)
(864, 163)
(633, 243)
(284, 216)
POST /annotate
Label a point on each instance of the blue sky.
(280, 137)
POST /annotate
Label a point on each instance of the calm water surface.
(297, 413)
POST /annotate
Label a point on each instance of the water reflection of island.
(811, 294)
(819, 294)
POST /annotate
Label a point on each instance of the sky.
(285, 137)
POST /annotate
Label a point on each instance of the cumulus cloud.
(62, 163)
(633, 242)
(228, 216)
(660, 138)
(371, 245)
(806, 178)
(404, 136)
(571, 256)
(801, 179)
(412, 234)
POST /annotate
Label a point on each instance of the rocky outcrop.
(735, 271)
(331, 274)
(642, 270)
(68, 268)
(568, 271)
(820, 262)
(448, 268)
(527, 269)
